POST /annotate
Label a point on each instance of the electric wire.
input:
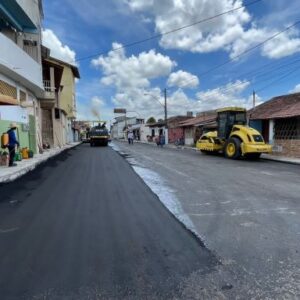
(242, 53)
(168, 32)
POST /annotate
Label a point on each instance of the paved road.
(85, 226)
(247, 212)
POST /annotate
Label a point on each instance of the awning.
(13, 14)
(7, 100)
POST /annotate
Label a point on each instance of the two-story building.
(58, 104)
(20, 65)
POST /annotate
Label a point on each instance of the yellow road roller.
(233, 137)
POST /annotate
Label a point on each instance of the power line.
(243, 53)
(278, 79)
(169, 32)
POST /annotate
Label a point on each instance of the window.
(287, 129)
(8, 90)
(30, 47)
(23, 96)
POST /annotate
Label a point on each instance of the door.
(47, 127)
(32, 134)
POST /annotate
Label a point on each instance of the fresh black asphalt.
(85, 226)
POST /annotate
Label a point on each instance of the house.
(194, 128)
(121, 125)
(175, 132)
(278, 120)
(20, 67)
(140, 130)
(68, 96)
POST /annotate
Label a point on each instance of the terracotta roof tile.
(285, 106)
(200, 120)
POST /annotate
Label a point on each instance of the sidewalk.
(26, 165)
(283, 159)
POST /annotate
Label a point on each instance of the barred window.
(287, 129)
(8, 90)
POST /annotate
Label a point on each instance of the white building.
(20, 57)
(123, 124)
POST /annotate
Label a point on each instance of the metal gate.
(32, 134)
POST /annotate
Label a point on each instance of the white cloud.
(58, 49)
(233, 32)
(296, 89)
(183, 79)
(284, 45)
(134, 71)
(228, 95)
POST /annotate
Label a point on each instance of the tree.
(151, 120)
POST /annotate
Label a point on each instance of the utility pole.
(166, 118)
(166, 113)
(253, 98)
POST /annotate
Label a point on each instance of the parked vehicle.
(233, 137)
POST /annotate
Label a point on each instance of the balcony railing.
(49, 90)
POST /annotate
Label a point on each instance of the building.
(122, 124)
(278, 120)
(67, 99)
(20, 66)
(195, 127)
(175, 131)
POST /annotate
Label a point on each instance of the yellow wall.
(67, 96)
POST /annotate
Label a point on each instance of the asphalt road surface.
(85, 226)
(246, 212)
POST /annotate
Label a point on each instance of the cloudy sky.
(92, 34)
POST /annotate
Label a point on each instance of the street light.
(166, 111)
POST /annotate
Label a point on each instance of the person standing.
(130, 138)
(12, 143)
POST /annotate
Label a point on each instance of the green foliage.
(151, 120)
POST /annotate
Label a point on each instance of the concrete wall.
(175, 134)
(22, 136)
(67, 96)
(17, 65)
(189, 136)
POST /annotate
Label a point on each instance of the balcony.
(19, 66)
(49, 92)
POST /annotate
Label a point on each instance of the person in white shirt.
(130, 137)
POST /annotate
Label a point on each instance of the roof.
(200, 120)
(74, 68)
(285, 106)
(241, 109)
(171, 120)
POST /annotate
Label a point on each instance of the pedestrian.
(161, 140)
(130, 138)
(157, 140)
(12, 143)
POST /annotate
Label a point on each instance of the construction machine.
(233, 137)
(98, 135)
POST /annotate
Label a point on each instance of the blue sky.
(135, 77)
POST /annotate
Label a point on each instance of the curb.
(281, 160)
(277, 159)
(12, 177)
